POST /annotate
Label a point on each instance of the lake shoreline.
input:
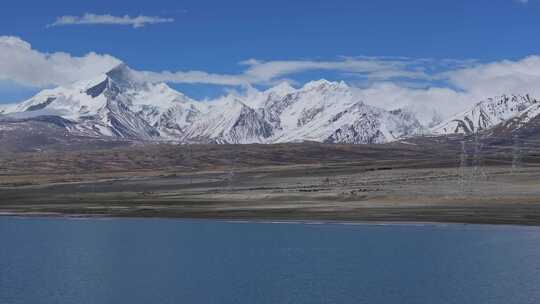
(82, 216)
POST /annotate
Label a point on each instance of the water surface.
(58, 260)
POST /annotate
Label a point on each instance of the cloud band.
(94, 19)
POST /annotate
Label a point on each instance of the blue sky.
(214, 36)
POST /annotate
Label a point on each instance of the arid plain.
(408, 181)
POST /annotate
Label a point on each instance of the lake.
(61, 260)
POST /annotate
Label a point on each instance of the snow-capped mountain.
(320, 111)
(513, 111)
(229, 120)
(330, 112)
(115, 104)
(119, 104)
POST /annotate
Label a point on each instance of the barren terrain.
(399, 182)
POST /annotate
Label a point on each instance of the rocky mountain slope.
(500, 113)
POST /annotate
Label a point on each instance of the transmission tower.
(462, 166)
(516, 153)
(478, 168)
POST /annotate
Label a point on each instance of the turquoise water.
(55, 260)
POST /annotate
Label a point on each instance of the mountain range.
(119, 105)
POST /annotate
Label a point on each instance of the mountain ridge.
(121, 105)
(491, 113)
(118, 104)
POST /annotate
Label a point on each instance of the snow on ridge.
(489, 113)
(119, 104)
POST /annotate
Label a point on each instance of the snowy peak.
(229, 120)
(328, 111)
(124, 77)
(366, 124)
(281, 89)
(121, 72)
(323, 84)
(116, 104)
(489, 113)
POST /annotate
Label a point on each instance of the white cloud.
(195, 77)
(424, 101)
(502, 77)
(94, 19)
(270, 72)
(460, 87)
(20, 63)
(26, 66)
(368, 67)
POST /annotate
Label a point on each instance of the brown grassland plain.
(405, 182)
